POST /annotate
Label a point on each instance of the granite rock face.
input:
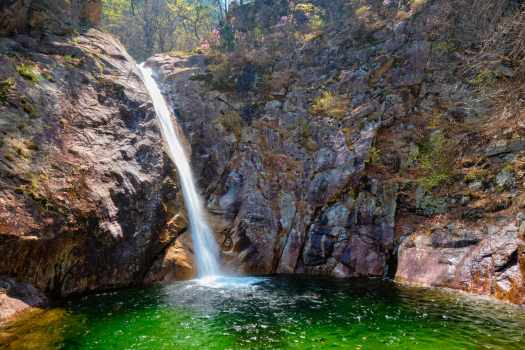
(288, 187)
(483, 260)
(88, 199)
(361, 149)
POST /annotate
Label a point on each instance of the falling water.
(204, 245)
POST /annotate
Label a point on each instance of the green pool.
(272, 313)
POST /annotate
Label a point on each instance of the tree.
(150, 26)
(87, 12)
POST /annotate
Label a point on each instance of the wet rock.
(17, 297)
(318, 247)
(307, 200)
(176, 262)
(291, 253)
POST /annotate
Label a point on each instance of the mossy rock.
(429, 205)
(29, 72)
(6, 87)
(28, 107)
(330, 105)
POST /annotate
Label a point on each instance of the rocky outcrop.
(358, 148)
(486, 260)
(286, 200)
(18, 297)
(288, 185)
(88, 199)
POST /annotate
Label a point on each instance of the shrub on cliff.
(330, 105)
(436, 160)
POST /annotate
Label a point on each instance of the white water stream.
(204, 245)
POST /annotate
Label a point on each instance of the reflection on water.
(274, 313)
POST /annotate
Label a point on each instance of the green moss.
(476, 174)
(28, 107)
(315, 15)
(5, 88)
(435, 161)
(35, 189)
(484, 78)
(362, 10)
(374, 156)
(329, 105)
(72, 60)
(508, 167)
(28, 71)
(305, 7)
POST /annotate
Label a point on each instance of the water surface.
(272, 313)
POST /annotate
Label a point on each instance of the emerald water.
(272, 313)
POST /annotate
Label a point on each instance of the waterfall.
(204, 245)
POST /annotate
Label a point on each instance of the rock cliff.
(385, 140)
(88, 199)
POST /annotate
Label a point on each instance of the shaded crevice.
(512, 261)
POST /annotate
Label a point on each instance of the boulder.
(485, 261)
(17, 297)
(87, 195)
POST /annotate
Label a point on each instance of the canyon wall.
(386, 141)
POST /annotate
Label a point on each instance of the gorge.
(313, 174)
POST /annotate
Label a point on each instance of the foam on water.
(226, 282)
